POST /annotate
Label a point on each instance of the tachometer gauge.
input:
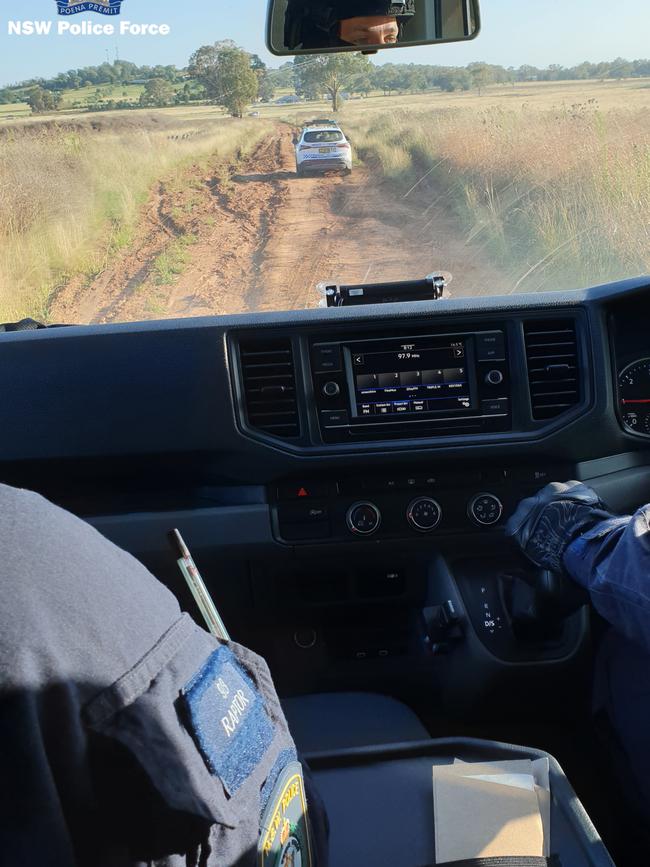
(634, 396)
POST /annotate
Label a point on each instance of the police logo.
(291, 855)
(74, 7)
(284, 837)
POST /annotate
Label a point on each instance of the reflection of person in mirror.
(369, 30)
(339, 23)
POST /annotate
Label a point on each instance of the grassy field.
(70, 196)
(10, 111)
(102, 93)
(628, 93)
(543, 95)
(79, 99)
(554, 179)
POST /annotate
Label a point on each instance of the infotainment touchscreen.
(401, 377)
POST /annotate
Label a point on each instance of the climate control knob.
(363, 519)
(424, 514)
(485, 509)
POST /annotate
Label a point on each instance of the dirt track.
(259, 238)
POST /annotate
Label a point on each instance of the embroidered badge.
(284, 832)
(227, 718)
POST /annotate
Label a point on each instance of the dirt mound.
(255, 236)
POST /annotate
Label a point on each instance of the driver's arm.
(567, 527)
(612, 561)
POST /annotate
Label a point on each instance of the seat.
(337, 720)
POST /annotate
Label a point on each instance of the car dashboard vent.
(269, 383)
(553, 366)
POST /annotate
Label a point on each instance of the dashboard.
(449, 381)
(343, 476)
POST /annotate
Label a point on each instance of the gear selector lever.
(538, 602)
(519, 613)
(557, 596)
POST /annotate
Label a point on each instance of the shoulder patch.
(228, 719)
(284, 830)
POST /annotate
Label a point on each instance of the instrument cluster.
(634, 396)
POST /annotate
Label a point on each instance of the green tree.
(305, 84)
(621, 68)
(266, 86)
(390, 77)
(454, 79)
(380, 76)
(527, 73)
(185, 95)
(361, 83)
(482, 75)
(283, 75)
(157, 92)
(330, 74)
(417, 80)
(226, 73)
(41, 100)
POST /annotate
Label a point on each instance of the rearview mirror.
(325, 26)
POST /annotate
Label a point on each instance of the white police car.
(322, 147)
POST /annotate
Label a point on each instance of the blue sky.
(538, 32)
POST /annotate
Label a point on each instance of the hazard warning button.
(304, 490)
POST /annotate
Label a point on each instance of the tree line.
(364, 77)
(120, 72)
(225, 74)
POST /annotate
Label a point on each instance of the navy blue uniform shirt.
(612, 561)
(128, 734)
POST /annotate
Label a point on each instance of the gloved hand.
(545, 525)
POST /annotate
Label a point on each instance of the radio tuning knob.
(331, 389)
(494, 377)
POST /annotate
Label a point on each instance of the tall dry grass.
(71, 196)
(560, 197)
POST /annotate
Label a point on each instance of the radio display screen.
(426, 375)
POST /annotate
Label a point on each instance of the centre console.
(423, 385)
(412, 505)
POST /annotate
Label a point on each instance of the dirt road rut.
(254, 236)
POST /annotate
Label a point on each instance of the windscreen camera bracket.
(431, 288)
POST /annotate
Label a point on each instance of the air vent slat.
(547, 332)
(269, 383)
(552, 358)
(540, 394)
(276, 413)
(266, 353)
(559, 344)
(553, 381)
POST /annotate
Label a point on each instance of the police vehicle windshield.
(156, 159)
